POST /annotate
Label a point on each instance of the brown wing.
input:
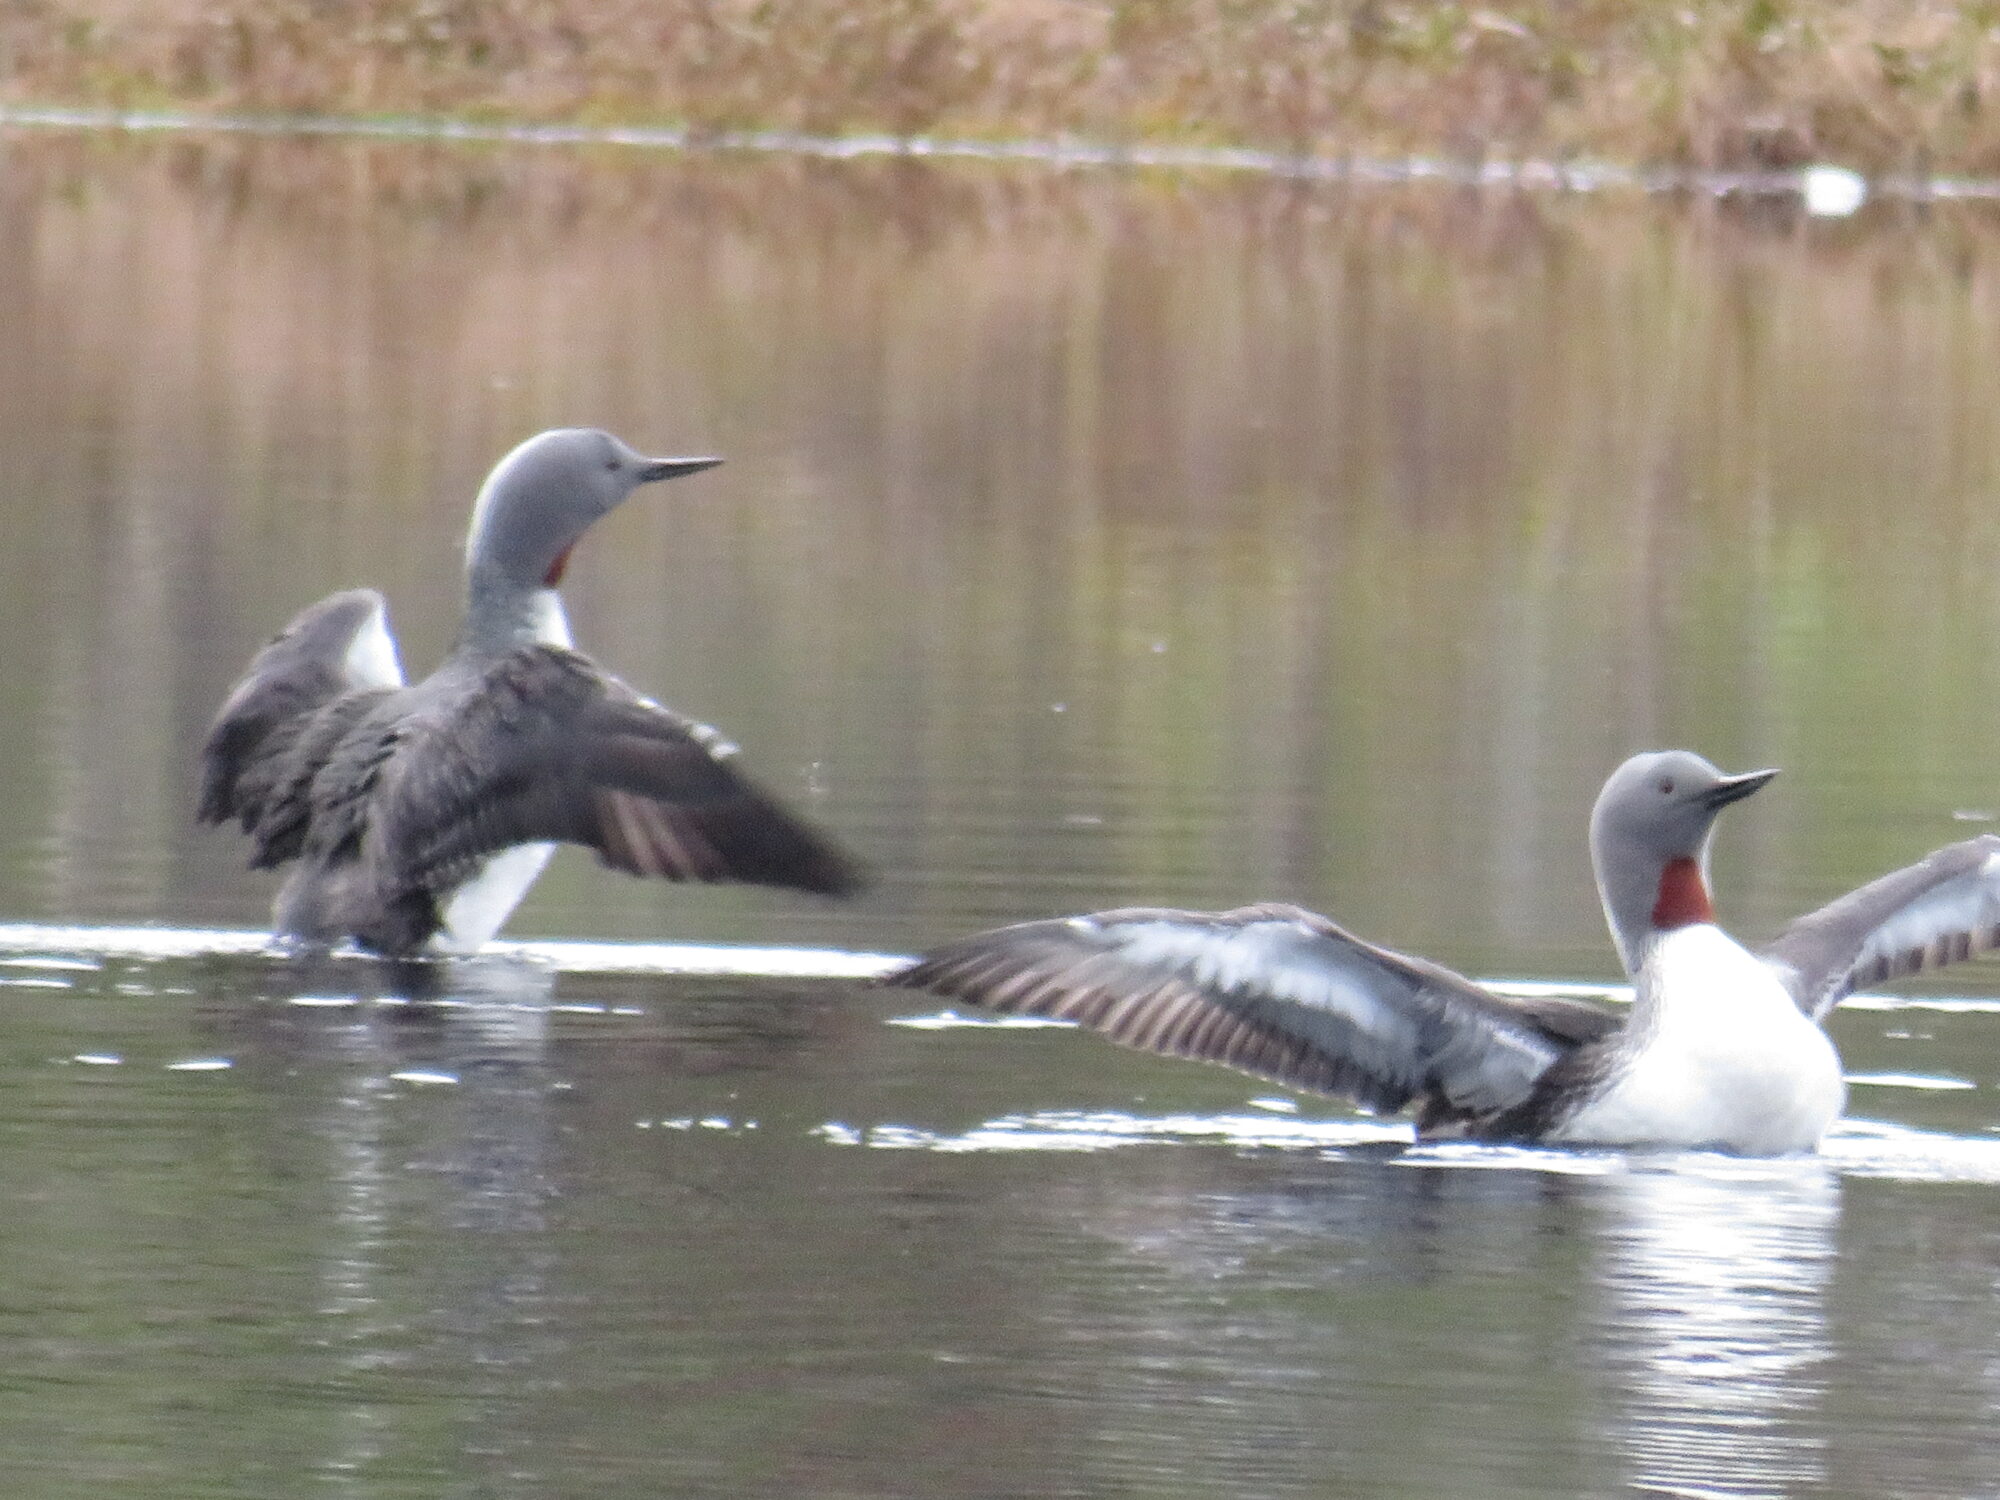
(1276, 991)
(545, 746)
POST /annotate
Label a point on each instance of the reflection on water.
(1716, 1329)
(550, 1233)
(1083, 541)
(483, 1310)
(360, 1230)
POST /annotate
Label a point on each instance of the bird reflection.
(457, 1186)
(480, 1152)
(1717, 1273)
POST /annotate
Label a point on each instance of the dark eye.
(1666, 786)
(611, 464)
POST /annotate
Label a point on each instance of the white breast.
(479, 907)
(551, 623)
(1720, 1056)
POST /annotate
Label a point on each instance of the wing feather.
(545, 746)
(1272, 990)
(1941, 910)
(311, 789)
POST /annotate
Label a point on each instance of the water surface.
(1086, 539)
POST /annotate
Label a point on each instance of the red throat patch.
(1683, 899)
(554, 575)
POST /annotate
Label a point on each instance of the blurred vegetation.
(1086, 538)
(1886, 85)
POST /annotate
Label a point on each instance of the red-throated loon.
(420, 815)
(1722, 1047)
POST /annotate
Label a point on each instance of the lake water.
(1086, 539)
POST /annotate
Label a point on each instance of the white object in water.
(1832, 192)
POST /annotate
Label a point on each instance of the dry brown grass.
(1880, 84)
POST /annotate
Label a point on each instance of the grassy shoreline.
(1883, 87)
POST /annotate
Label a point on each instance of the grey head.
(1649, 837)
(535, 506)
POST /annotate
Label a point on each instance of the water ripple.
(1858, 1148)
(696, 959)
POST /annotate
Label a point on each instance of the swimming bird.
(1722, 1047)
(419, 815)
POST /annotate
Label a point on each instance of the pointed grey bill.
(1735, 788)
(674, 468)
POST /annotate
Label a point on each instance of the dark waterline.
(1824, 190)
